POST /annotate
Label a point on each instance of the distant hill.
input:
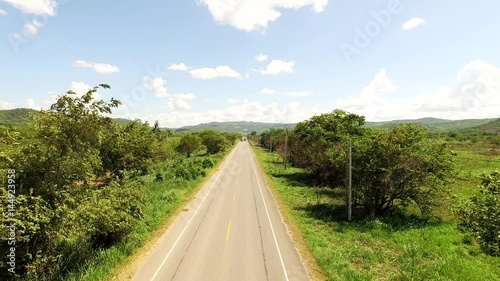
(122, 121)
(16, 117)
(21, 116)
(434, 125)
(244, 127)
(492, 127)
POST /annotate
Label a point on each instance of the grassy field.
(163, 201)
(402, 247)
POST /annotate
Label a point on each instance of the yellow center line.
(227, 234)
(234, 197)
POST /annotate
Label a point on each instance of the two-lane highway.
(232, 230)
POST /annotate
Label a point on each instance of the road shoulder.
(313, 269)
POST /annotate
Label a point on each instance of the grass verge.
(396, 248)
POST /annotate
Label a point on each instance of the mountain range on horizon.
(21, 116)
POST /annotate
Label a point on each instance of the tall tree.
(189, 144)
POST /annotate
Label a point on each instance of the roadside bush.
(189, 170)
(399, 166)
(158, 177)
(33, 232)
(318, 145)
(207, 163)
(481, 216)
(131, 148)
(213, 141)
(110, 213)
(189, 144)
(182, 172)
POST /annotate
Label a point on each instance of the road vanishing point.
(231, 231)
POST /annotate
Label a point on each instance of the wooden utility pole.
(286, 144)
(349, 184)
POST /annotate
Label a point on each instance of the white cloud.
(156, 85)
(475, 94)
(35, 7)
(178, 67)
(292, 108)
(380, 84)
(267, 91)
(6, 105)
(261, 58)
(30, 103)
(370, 100)
(232, 101)
(97, 67)
(279, 66)
(81, 88)
(250, 15)
(180, 101)
(212, 73)
(3, 12)
(412, 23)
(32, 27)
(241, 110)
(298, 94)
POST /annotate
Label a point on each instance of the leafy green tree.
(53, 171)
(131, 148)
(481, 216)
(231, 137)
(65, 147)
(399, 166)
(189, 144)
(318, 145)
(213, 141)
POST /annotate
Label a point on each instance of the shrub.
(182, 172)
(207, 163)
(189, 144)
(400, 166)
(189, 170)
(481, 216)
(158, 177)
(213, 141)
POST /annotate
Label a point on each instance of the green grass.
(163, 199)
(396, 248)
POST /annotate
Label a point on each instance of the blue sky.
(187, 62)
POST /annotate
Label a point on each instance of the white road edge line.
(268, 217)
(194, 214)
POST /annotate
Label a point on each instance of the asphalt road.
(232, 231)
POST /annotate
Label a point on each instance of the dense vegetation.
(81, 183)
(398, 166)
(482, 215)
(418, 211)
